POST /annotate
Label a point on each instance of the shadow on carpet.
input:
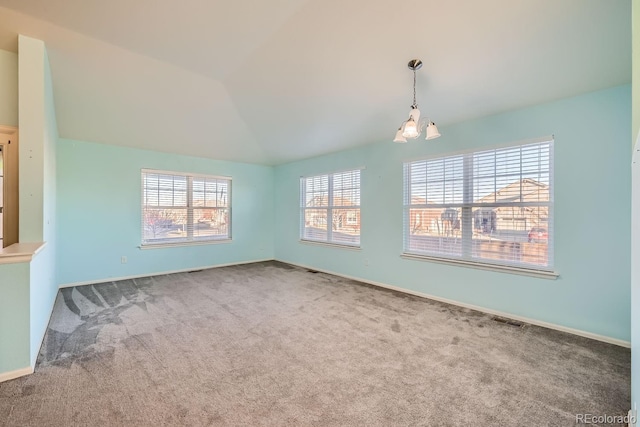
(268, 344)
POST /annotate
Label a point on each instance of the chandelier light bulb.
(411, 129)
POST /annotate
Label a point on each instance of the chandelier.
(413, 126)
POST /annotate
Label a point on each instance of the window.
(330, 208)
(492, 206)
(184, 208)
(352, 218)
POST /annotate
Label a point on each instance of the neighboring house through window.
(352, 218)
(491, 206)
(179, 208)
(330, 208)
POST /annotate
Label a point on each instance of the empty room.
(319, 213)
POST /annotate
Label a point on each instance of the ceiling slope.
(107, 94)
(338, 80)
(271, 82)
(210, 37)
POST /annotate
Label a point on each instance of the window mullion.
(495, 176)
(190, 208)
(330, 210)
(467, 198)
(408, 200)
(303, 205)
(520, 177)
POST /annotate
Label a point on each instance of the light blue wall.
(635, 66)
(592, 215)
(14, 317)
(37, 174)
(635, 301)
(42, 294)
(28, 290)
(99, 213)
(43, 267)
(635, 275)
(8, 88)
(50, 150)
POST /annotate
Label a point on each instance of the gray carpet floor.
(268, 344)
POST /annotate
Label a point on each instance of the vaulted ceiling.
(271, 82)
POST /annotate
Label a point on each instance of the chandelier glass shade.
(413, 126)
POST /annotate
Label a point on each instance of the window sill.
(333, 245)
(552, 275)
(180, 244)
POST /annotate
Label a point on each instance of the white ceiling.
(270, 82)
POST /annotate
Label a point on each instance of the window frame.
(189, 239)
(330, 208)
(467, 207)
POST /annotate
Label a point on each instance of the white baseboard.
(541, 323)
(160, 273)
(11, 375)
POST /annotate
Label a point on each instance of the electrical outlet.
(123, 260)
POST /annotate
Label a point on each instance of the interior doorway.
(8, 186)
(1, 196)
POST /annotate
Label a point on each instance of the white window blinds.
(330, 208)
(491, 206)
(183, 208)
